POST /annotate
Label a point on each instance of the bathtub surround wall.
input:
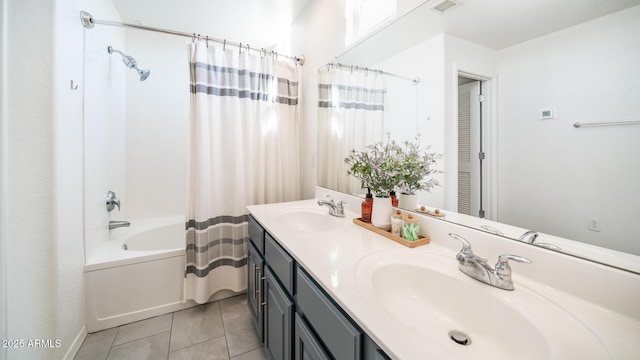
(243, 150)
(157, 127)
(105, 96)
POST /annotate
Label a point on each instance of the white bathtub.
(147, 280)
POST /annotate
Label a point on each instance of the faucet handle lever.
(503, 259)
(502, 266)
(112, 201)
(466, 245)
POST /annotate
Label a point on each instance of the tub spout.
(117, 224)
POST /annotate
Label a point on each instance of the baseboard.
(77, 342)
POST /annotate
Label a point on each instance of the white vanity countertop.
(332, 257)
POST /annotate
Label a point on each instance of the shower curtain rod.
(414, 81)
(88, 21)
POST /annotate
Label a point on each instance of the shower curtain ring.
(224, 44)
(240, 49)
(193, 39)
(207, 41)
(248, 48)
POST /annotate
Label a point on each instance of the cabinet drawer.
(256, 234)
(280, 262)
(335, 331)
(306, 345)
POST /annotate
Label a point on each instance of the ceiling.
(496, 24)
(260, 23)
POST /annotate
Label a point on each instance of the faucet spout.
(118, 224)
(335, 209)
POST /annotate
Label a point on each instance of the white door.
(469, 149)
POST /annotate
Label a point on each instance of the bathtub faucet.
(117, 224)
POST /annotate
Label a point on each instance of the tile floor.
(218, 330)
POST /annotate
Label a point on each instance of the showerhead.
(144, 74)
(131, 63)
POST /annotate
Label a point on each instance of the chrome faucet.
(478, 268)
(112, 201)
(335, 209)
(530, 238)
(118, 224)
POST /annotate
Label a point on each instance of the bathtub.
(145, 280)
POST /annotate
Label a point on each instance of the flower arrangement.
(376, 167)
(385, 166)
(416, 166)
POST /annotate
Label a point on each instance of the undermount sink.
(307, 220)
(428, 295)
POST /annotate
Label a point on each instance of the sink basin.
(427, 295)
(307, 220)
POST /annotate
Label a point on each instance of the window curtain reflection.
(350, 116)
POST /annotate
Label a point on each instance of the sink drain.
(459, 337)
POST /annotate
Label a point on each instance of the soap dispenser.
(367, 207)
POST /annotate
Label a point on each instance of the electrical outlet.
(594, 225)
(314, 160)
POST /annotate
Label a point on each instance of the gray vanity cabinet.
(278, 319)
(313, 327)
(255, 275)
(306, 345)
(279, 308)
(255, 272)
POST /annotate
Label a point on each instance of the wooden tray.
(423, 240)
(431, 212)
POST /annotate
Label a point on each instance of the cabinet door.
(278, 312)
(254, 289)
(306, 345)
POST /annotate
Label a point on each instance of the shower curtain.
(243, 150)
(350, 116)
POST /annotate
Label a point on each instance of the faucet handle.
(502, 266)
(330, 198)
(112, 201)
(503, 259)
(466, 245)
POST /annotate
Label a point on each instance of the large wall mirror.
(554, 114)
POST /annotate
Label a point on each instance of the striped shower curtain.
(243, 150)
(350, 116)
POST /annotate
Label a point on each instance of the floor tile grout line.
(113, 341)
(224, 329)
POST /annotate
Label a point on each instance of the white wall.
(104, 125)
(318, 34)
(27, 174)
(67, 183)
(157, 125)
(412, 109)
(3, 178)
(588, 73)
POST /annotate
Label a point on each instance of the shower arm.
(129, 61)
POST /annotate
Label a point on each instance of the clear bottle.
(367, 208)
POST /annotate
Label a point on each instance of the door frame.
(489, 140)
